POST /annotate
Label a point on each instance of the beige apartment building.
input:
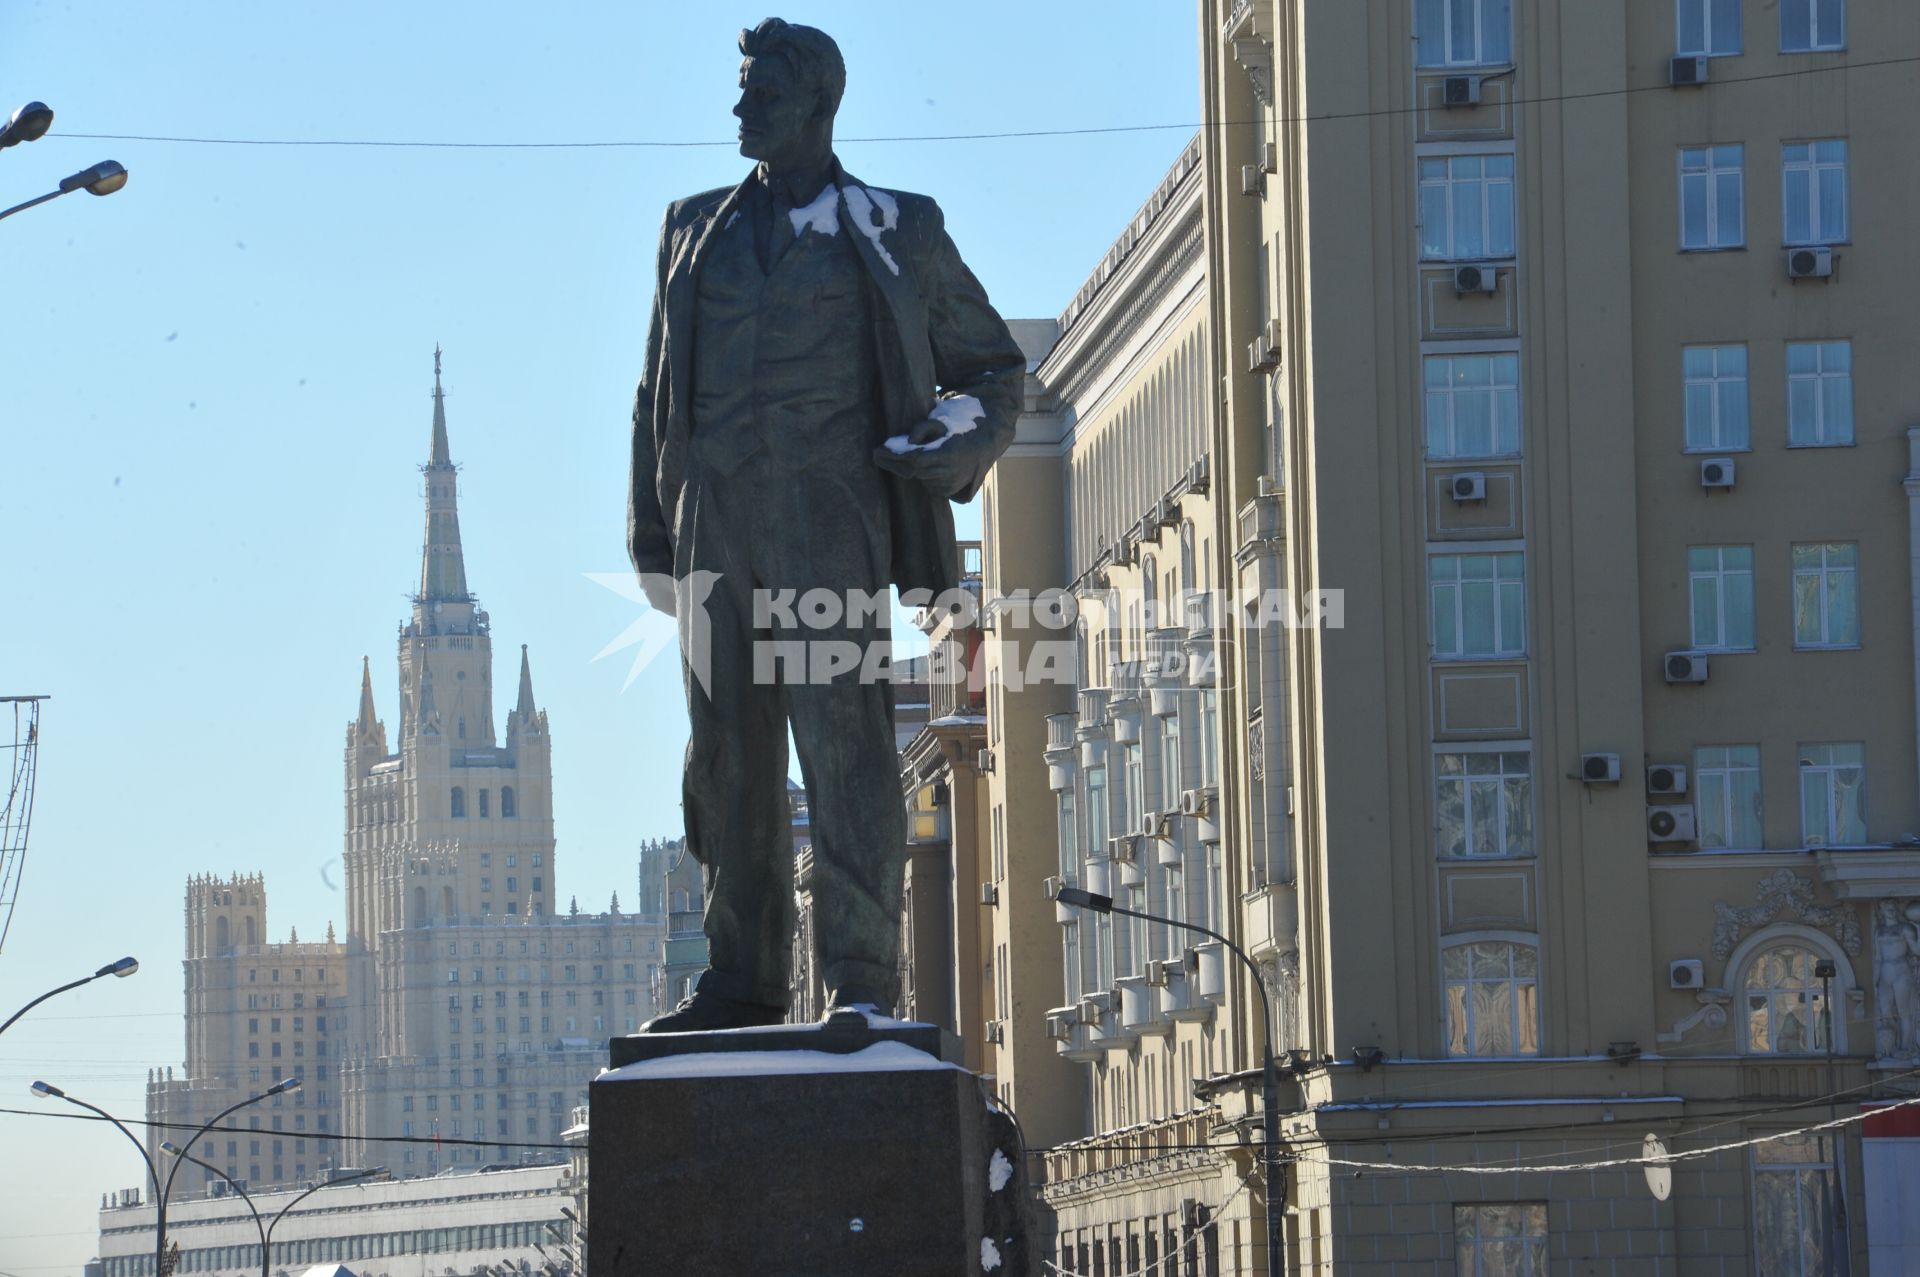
(457, 1022)
(1563, 341)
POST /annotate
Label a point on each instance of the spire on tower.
(443, 570)
(364, 724)
(526, 716)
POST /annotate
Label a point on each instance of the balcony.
(1062, 750)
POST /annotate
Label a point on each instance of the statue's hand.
(944, 460)
(658, 587)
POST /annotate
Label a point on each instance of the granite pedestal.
(802, 1151)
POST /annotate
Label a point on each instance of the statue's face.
(777, 113)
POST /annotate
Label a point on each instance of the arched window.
(419, 906)
(483, 804)
(253, 936)
(463, 729)
(1783, 1006)
(506, 801)
(222, 935)
(1150, 593)
(1492, 998)
(459, 801)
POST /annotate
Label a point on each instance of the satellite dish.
(1659, 1173)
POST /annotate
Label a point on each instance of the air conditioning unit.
(1123, 849)
(1716, 472)
(1252, 180)
(1156, 824)
(1261, 354)
(1269, 485)
(994, 1033)
(1672, 823)
(1686, 667)
(1468, 485)
(1060, 1025)
(1687, 72)
(1269, 158)
(1687, 973)
(1810, 263)
(1460, 90)
(1476, 279)
(1195, 802)
(983, 762)
(1197, 476)
(1666, 778)
(1052, 887)
(1165, 513)
(1158, 970)
(989, 893)
(1600, 769)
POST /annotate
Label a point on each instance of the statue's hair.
(808, 51)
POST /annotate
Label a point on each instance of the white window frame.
(1802, 1229)
(1827, 579)
(1820, 432)
(1464, 194)
(1067, 822)
(1505, 646)
(1716, 767)
(1810, 27)
(1820, 766)
(1516, 940)
(1440, 405)
(1792, 161)
(1711, 33)
(1449, 56)
(1719, 576)
(1501, 778)
(1705, 177)
(1741, 968)
(1475, 1241)
(1726, 430)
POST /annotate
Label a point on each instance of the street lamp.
(166, 1188)
(28, 123)
(265, 1229)
(1078, 897)
(124, 967)
(46, 1090)
(103, 178)
(1824, 970)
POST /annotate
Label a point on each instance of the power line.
(1544, 99)
(337, 1137)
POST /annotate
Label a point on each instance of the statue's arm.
(974, 355)
(648, 543)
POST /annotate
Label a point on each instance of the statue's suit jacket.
(935, 333)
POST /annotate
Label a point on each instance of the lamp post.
(1269, 1075)
(166, 1188)
(123, 968)
(1824, 970)
(174, 1150)
(46, 1090)
(266, 1237)
(103, 178)
(28, 123)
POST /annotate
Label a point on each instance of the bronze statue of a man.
(823, 375)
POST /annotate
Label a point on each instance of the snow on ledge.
(881, 1057)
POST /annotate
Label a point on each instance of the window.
(1492, 998)
(1712, 201)
(1720, 593)
(1452, 33)
(1726, 786)
(1479, 606)
(459, 800)
(1819, 394)
(506, 801)
(1783, 1005)
(1133, 789)
(1209, 711)
(1707, 28)
(1810, 26)
(1483, 803)
(1795, 1191)
(1826, 595)
(1466, 207)
(1170, 772)
(1716, 398)
(1813, 195)
(1833, 795)
(1473, 405)
(1500, 1240)
(483, 803)
(1069, 838)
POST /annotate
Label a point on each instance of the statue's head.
(791, 79)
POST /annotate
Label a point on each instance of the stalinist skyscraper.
(460, 1005)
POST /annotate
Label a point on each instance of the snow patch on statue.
(999, 1171)
(989, 1255)
(958, 413)
(823, 215)
(862, 203)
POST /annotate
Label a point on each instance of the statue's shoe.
(855, 997)
(704, 1012)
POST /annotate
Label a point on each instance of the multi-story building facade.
(475, 1222)
(460, 1013)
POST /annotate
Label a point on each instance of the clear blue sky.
(214, 394)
